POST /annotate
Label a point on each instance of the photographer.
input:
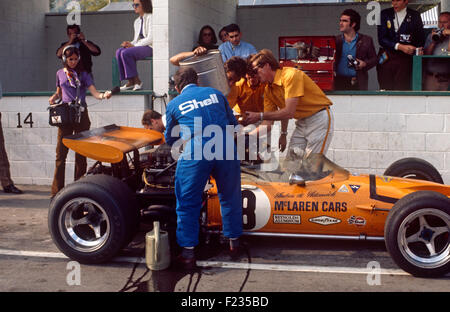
(438, 42)
(87, 48)
(355, 54)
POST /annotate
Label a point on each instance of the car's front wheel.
(90, 221)
(417, 234)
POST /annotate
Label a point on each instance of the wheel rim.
(423, 238)
(84, 224)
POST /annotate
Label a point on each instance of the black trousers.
(396, 72)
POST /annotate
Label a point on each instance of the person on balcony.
(353, 75)
(400, 34)
(138, 49)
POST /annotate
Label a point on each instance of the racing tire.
(90, 220)
(417, 234)
(414, 168)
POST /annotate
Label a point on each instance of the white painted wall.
(371, 132)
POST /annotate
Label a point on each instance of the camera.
(439, 34)
(352, 62)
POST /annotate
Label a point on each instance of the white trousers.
(312, 134)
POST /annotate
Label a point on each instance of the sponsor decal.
(317, 194)
(355, 188)
(286, 219)
(386, 179)
(188, 106)
(343, 189)
(325, 220)
(359, 221)
(310, 206)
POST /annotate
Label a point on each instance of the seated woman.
(207, 38)
(138, 49)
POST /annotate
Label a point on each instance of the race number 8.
(256, 208)
(248, 209)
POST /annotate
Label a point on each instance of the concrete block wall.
(371, 132)
(31, 151)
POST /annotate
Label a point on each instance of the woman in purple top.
(138, 49)
(68, 79)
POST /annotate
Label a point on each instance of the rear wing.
(110, 143)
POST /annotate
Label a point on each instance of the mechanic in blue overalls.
(187, 116)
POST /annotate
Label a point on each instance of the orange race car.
(92, 219)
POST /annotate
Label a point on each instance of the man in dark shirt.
(399, 34)
(360, 47)
(87, 48)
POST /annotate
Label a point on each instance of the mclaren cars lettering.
(310, 206)
(286, 219)
(325, 220)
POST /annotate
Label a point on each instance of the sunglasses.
(136, 5)
(257, 66)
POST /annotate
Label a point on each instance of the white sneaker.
(126, 87)
(137, 87)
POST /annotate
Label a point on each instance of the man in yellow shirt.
(247, 95)
(290, 93)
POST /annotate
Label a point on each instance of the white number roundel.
(256, 208)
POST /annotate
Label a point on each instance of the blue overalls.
(195, 110)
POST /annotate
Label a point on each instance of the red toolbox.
(315, 55)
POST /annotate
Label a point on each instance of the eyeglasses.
(136, 5)
(207, 34)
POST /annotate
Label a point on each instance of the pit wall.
(371, 132)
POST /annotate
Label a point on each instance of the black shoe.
(236, 249)
(12, 189)
(183, 263)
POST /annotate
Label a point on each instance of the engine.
(159, 168)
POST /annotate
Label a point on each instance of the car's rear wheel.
(417, 234)
(90, 221)
(414, 168)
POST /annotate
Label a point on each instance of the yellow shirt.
(289, 83)
(243, 98)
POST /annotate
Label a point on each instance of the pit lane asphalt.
(29, 261)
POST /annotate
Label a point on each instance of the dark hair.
(200, 37)
(445, 13)
(73, 26)
(149, 115)
(223, 29)
(232, 28)
(354, 18)
(185, 76)
(68, 52)
(237, 65)
(147, 6)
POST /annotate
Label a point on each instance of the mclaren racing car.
(92, 219)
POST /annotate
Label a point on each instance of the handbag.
(66, 114)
